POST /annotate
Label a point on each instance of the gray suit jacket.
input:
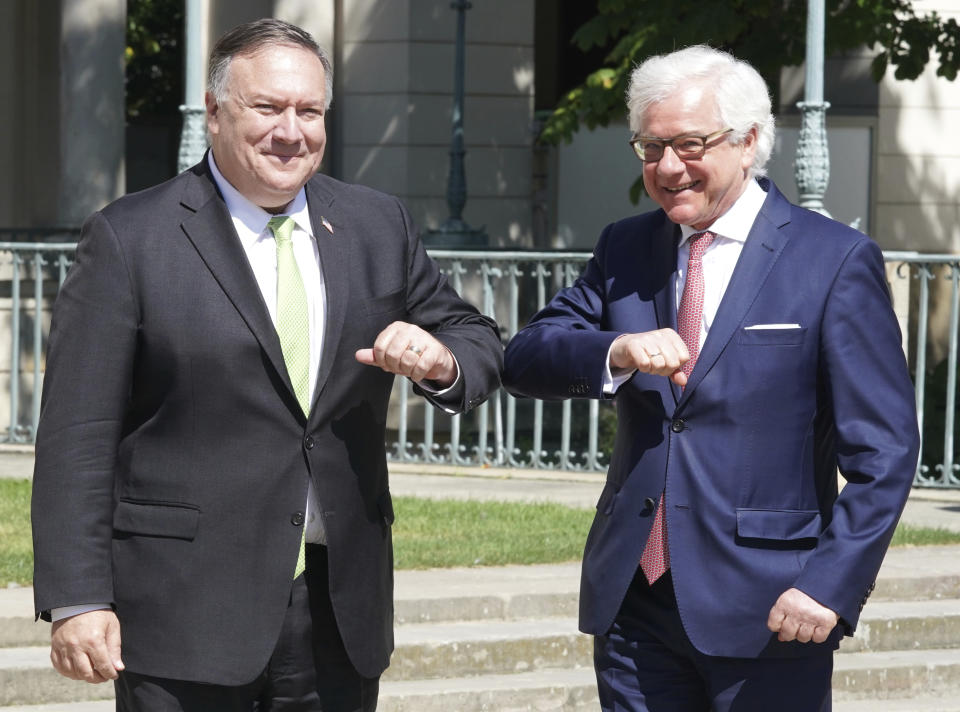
(172, 457)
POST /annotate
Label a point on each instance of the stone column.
(91, 94)
(193, 134)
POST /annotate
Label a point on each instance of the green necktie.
(293, 327)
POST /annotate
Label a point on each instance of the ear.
(213, 113)
(749, 149)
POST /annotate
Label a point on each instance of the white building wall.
(918, 157)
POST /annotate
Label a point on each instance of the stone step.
(480, 593)
(17, 626)
(33, 687)
(919, 573)
(436, 595)
(906, 625)
(897, 674)
(889, 631)
(548, 690)
(27, 678)
(23, 631)
(560, 690)
(515, 592)
(916, 588)
(416, 605)
(948, 703)
(445, 650)
(424, 651)
(97, 706)
(483, 640)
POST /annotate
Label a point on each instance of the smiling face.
(695, 192)
(267, 133)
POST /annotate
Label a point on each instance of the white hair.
(740, 94)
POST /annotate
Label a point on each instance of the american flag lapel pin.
(326, 224)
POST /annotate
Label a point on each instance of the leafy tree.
(154, 73)
(770, 34)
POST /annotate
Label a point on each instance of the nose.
(670, 163)
(287, 127)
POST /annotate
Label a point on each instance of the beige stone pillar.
(397, 73)
(91, 99)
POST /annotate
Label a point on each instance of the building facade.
(895, 161)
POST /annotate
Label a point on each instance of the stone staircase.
(505, 640)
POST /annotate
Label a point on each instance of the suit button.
(308, 442)
(648, 505)
(678, 425)
(297, 519)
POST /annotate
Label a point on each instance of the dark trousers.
(646, 663)
(308, 672)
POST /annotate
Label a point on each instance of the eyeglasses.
(687, 147)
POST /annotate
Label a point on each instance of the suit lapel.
(334, 242)
(211, 231)
(760, 252)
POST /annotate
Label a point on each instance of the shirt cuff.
(614, 378)
(58, 614)
(432, 387)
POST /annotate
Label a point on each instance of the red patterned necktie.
(655, 559)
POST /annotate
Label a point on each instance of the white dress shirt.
(719, 261)
(250, 222)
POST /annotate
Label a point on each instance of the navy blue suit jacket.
(749, 451)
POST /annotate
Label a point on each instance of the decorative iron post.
(455, 232)
(812, 168)
(193, 136)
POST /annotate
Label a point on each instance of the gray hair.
(252, 36)
(741, 95)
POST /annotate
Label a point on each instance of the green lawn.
(16, 546)
(431, 533)
(906, 535)
(427, 533)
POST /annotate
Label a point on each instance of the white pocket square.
(771, 326)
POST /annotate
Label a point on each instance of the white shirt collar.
(253, 217)
(737, 222)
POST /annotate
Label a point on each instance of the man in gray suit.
(220, 361)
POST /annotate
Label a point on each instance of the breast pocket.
(772, 337)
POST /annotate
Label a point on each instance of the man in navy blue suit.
(752, 353)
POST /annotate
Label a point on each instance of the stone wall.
(394, 108)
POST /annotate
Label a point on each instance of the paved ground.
(16, 461)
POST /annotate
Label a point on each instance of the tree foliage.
(154, 62)
(770, 34)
